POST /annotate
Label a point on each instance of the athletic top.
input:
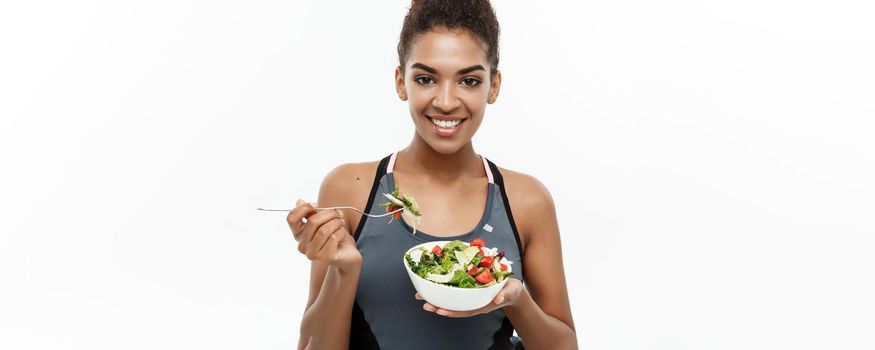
(386, 315)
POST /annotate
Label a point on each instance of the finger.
(315, 210)
(506, 291)
(418, 297)
(326, 230)
(310, 213)
(328, 253)
(429, 307)
(294, 218)
(499, 298)
(301, 210)
(340, 215)
(312, 226)
(448, 313)
(322, 216)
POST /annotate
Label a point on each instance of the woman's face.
(446, 81)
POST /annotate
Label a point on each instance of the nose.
(446, 100)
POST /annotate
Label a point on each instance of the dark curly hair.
(476, 16)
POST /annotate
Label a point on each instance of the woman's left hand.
(506, 296)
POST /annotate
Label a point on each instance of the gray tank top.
(386, 315)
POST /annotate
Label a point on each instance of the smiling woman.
(360, 297)
(447, 104)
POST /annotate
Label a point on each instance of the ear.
(399, 84)
(494, 88)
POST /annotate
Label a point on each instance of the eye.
(424, 80)
(470, 82)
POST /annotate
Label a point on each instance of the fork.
(343, 207)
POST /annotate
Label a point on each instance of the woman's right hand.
(324, 237)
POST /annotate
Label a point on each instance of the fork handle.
(342, 207)
(363, 213)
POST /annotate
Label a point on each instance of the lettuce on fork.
(407, 204)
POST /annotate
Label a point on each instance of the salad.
(406, 204)
(459, 265)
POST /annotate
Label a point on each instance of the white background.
(711, 163)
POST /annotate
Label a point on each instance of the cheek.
(477, 97)
(475, 103)
(419, 102)
(419, 99)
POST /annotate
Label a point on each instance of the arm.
(326, 321)
(541, 314)
(333, 279)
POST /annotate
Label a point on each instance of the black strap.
(502, 337)
(501, 340)
(381, 170)
(360, 335)
(499, 180)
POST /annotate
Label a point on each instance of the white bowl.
(448, 297)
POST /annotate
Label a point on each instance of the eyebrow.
(460, 72)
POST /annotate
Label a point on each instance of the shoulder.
(348, 184)
(348, 174)
(529, 199)
(349, 179)
(524, 191)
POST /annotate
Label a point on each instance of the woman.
(360, 296)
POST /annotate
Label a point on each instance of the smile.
(446, 123)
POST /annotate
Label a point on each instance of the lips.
(446, 122)
(446, 127)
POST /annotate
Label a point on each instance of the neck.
(419, 157)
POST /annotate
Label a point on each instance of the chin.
(445, 147)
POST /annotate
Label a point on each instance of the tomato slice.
(390, 209)
(484, 277)
(487, 261)
(478, 243)
(438, 251)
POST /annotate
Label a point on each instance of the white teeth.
(447, 124)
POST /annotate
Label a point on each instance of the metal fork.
(343, 207)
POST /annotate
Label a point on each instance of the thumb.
(298, 202)
(500, 297)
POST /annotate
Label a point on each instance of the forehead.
(447, 49)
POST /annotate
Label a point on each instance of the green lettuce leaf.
(462, 280)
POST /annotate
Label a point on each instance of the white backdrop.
(711, 163)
